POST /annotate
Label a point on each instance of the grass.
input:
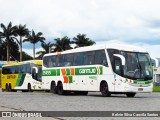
(156, 88)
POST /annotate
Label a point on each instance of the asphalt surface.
(41, 101)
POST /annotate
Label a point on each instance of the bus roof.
(106, 46)
(38, 62)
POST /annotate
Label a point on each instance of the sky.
(135, 22)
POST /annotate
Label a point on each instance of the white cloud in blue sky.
(125, 21)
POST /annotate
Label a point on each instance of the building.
(156, 71)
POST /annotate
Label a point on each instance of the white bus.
(106, 68)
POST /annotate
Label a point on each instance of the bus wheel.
(60, 90)
(53, 88)
(131, 94)
(7, 88)
(29, 88)
(104, 90)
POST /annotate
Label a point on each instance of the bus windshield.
(137, 65)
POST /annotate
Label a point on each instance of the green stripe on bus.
(78, 71)
(20, 79)
(58, 72)
(67, 71)
(101, 70)
(70, 79)
(87, 71)
(142, 82)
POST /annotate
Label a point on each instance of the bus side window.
(5, 70)
(52, 61)
(89, 58)
(59, 61)
(16, 69)
(68, 59)
(100, 57)
(46, 61)
(12, 70)
(28, 68)
(79, 59)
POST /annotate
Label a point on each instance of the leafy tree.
(25, 56)
(46, 49)
(14, 51)
(34, 38)
(22, 31)
(62, 44)
(8, 33)
(81, 40)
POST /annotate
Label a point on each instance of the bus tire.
(29, 88)
(60, 90)
(53, 88)
(104, 90)
(130, 94)
(7, 88)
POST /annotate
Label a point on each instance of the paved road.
(41, 101)
(51, 102)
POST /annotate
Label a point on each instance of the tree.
(22, 31)
(34, 38)
(14, 51)
(25, 56)
(46, 49)
(81, 40)
(8, 34)
(62, 44)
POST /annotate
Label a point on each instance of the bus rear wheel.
(104, 90)
(60, 90)
(131, 94)
(29, 88)
(53, 88)
(8, 88)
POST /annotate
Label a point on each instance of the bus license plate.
(140, 89)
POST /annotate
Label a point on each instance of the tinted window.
(100, 57)
(59, 61)
(6, 70)
(25, 68)
(89, 58)
(68, 59)
(78, 59)
(49, 61)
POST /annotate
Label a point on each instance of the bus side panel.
(9, 79)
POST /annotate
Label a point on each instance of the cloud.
(128, 21)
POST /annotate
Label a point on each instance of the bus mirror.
(35, 70)
(121, 57)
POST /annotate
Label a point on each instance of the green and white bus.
(109, 69)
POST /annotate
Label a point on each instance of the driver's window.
(117, 66)
(34, 74)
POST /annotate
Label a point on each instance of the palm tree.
(22, 31)
(8, 34)
(80, 40)
(46, 49)
(62, 44)
(34, 38)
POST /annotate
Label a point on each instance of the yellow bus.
(25, 76)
